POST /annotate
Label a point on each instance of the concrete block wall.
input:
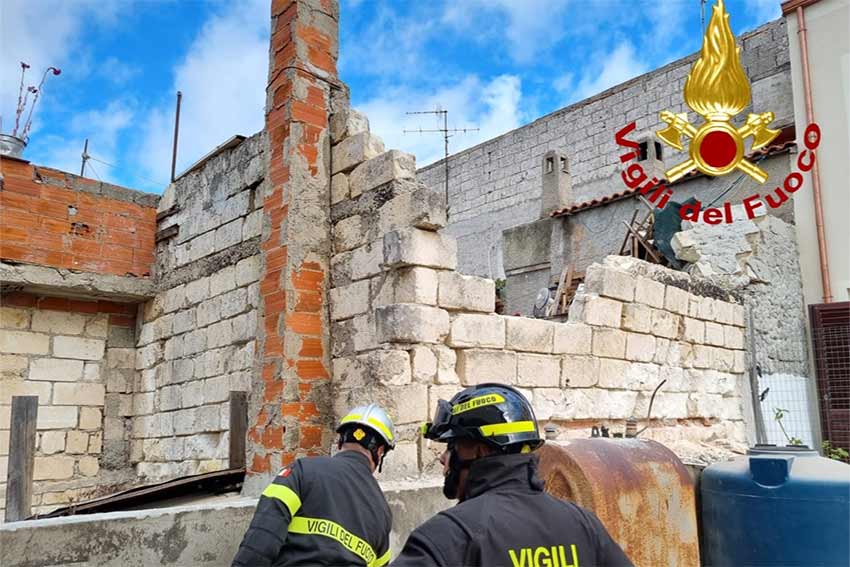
(77, 357)
(497, 184)
(408, 329)
(195, 340)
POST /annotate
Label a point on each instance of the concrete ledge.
(53, 281)
(200, 535)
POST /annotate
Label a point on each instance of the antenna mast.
(85, 157)
(445, 131)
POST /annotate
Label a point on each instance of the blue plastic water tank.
(776, 506)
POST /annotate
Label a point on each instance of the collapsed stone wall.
(195, 339)
(77, 357)
(408, 329)
(758, 260)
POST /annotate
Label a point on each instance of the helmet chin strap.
(451, 483)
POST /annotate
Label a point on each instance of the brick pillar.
(290, 410)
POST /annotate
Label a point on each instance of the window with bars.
(830, 324)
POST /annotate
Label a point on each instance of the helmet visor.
(440, 423)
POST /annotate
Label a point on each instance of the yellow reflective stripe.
(285, 495)
(332, 530)
(350, 417)
(382, 560)
(505, 428)
(382, 427)
(480, 401)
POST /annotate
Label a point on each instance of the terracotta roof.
(783, 142)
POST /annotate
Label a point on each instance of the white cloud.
(117, 71)
(492, 107)
(223, 79)
(618, 66)
(762, 10)
(531, 27)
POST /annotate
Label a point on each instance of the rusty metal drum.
(640, 490)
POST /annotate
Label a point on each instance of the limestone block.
(347, 122)
(423, 364)
(538, 370)
(422, 208)
(197, 291)
(248, 270)
(193, 342)
(572, 338)
(192, 394)
(649, 292)
(401, 463)
(733, 337)
(379, 170)
(174, 347)
(701, 357)
(22, 342)
(201, 446)
(56, 369)
(58, 322)
(244, 327)
(350, 300)
(531, 335)
(732, 408)
(119, 382)
(143, 403)
(723, 359)
(620, 404)
(724, 312)
(252, 226)
(55, 417)
(714, 382)
(53, 468)
(91, 371)
(90, 418)
(74, 347)
(122, 358)
(416, 247)
(606, 282)
(466, 293)
(339, 188)
(610, 343)
(551, 403)
(642, 376)
(714, 334)
(476, 366)
(706, 309)
(405, 285)
(223, 281)
(473, 330)
(354, 150)
(79, 394)
(637, 317)
(693, 330)
(89, 466)
(96, 443)
(704, 405)
(77, 442)
(613, 374)
(11, 318)
(184, 321)
(676, 300)
(13, 366)
(677, 381)
(409, 404)
(694, 302)
(602, 311)
(667, 405)
(579, 371)
(640, 347)
(349, 233)
(9, 388)
(366, 260)
(172, 300)
(228, 235)
(685, 247)
(738, 315)
(665, 324)
(408, 323)
(446, 364)
(147, 356)
(52, 442)
(739, 362)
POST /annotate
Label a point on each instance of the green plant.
(835, 453)
(500, 288)
(778, 414)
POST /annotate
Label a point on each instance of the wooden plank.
(626, 239)
(553, 307)
(562, 305)
(238, 428)
(644, 243)
(21, 458)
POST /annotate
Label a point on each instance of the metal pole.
(85, 157)
(761, 437)
(446, 160)
(176, 132)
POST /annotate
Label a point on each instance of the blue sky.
(494, 64)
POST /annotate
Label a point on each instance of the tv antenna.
(447, 133)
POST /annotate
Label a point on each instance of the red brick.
(273, 437)
(309, 302)
(311, 436)
(311, 347)
(304, 323)
(311, 369)
(260, 465)
(18, 299)
(273, 391)
(15, 201)
(308, 280)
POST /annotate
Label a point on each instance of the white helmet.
(374, 418)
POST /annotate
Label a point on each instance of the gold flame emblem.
(717, 89)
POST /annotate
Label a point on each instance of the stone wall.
(77, 357)
(408, 329)
(497, 184)
(195, 339)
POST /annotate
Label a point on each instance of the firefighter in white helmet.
(327, 510)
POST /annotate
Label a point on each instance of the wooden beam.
(21, 458)
(238, 428)
(626, 239)
(644, 243)
(553, 307)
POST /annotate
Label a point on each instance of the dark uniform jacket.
(326, 511)
(507, 520)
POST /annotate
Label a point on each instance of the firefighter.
(327, 510)
(503, 518)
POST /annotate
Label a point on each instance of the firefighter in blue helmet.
(327, 510)
(504, 518)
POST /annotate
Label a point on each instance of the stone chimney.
(650, 156)
(557, 184)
